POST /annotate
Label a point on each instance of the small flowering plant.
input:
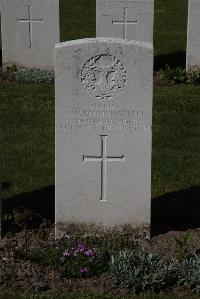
(78, 260)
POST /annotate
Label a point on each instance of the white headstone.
(193, 35)
(30, 30)
(103, 132)
(131, 20)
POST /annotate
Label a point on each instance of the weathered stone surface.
(103, 131)
(193, 34)
(131, 20)
(30, 30)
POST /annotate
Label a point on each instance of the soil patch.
(21, 274)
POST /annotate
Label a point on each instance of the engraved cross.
(124, 22)
(103, 158)
(29, 20)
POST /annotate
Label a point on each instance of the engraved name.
(108, 120)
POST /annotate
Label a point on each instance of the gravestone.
(131, 20)
(103, 132)
(30, 30)
(193, 35)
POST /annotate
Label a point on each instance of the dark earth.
(18, 274)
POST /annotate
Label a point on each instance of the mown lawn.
(176, 138)
(170, 26)
(27, 138)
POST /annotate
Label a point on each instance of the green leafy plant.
(141, 271)
(189, 275)
(194, 75)
(73, 258)
(34, 75)
(180, 76)
(184, 245)
(46, 256)
(174, 75)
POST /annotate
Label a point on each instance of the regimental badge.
(104, 76)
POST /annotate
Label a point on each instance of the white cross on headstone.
(30, 20)
(124, 22)
(103, 158)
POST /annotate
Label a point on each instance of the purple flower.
(62, 259)
(81, 247)
(84, 270)
(89, 252)
(66, 253)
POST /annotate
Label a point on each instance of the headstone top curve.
(104, 40)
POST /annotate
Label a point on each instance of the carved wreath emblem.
(104, 76)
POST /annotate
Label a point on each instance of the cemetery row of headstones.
(103, 106)
(30, 28)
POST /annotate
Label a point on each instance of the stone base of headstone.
(140, 233)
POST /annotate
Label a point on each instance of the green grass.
(77, 19)
(170, 26)
(27, 137)
(176, 138)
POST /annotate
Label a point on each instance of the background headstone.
(193, 34)
(30, 30)
(103, 132)
(131, 20)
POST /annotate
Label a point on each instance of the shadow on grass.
(176, 211)
(5, 185)
(177, 59)
(40, 201)
(173, 211)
